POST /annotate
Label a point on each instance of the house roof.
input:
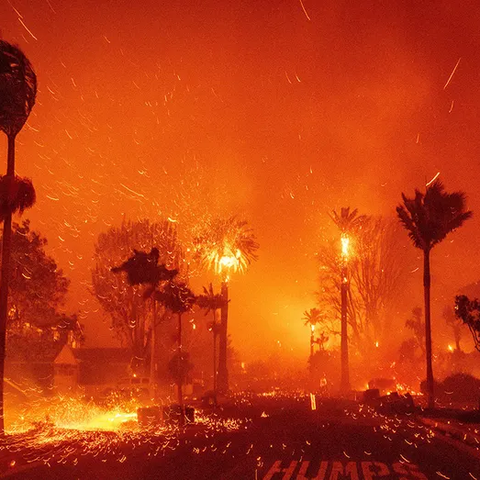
(96, 365)
(66, 357)
(23, 349)
(103, 355)
(102, 365)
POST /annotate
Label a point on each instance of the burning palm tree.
(18, 90)
(348, 223)
(226, 245)
(429, 217)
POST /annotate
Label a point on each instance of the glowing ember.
(62, 429)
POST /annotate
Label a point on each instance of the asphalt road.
(276, 440)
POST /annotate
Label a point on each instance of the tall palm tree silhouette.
(179, 299)
(18, 90)
(211, 302)
(429, 217)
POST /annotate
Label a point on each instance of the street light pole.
(215, 333)
(222, 379)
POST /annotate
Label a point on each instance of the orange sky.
(146, 107)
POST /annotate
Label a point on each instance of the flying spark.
(433, 179)
(305, 11)
(453, 73)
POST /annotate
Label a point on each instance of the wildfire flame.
(345, 246)
(227, 261)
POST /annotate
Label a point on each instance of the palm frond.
(430, 217)
(176, 297)
(226, 244)
(18, 88)
(348, 221)
(312, 316)
(210, 301)
(16, 195)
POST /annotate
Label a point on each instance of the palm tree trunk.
(345, 376)
(5, 276)
(222, 383)
(311, 344)
(311, 353)
(428, 329)
(180, 363)
(214, 353)
(153, 379)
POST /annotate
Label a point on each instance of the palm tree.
(211, 302)
(179, 299)
(226, 245)
(348, 223)
(312, 317)
(18, 90)
(429, 217)
(142, 269)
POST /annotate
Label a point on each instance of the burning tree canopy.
(226, 244)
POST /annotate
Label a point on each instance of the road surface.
(273, 439)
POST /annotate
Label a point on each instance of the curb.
(460, 437)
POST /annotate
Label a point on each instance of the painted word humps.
(335, 470)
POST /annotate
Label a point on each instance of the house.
(91, 370)
(31, 352)
(66, 372)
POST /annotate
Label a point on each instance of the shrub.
(459, 387)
